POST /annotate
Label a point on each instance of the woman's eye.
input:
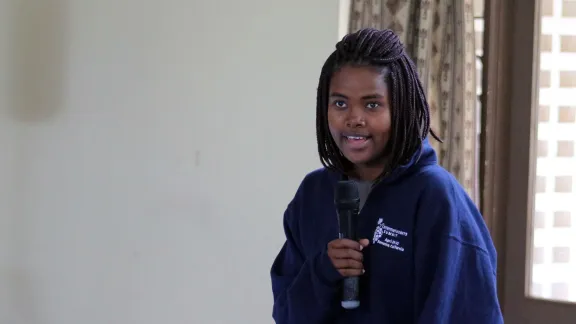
(340, 104)
(372, 105)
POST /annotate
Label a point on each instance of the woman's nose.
(355, 119)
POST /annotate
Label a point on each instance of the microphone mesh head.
(346, 192)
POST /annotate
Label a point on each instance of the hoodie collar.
(424, 156)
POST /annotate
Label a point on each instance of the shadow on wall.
(37, 55)
(35, 73)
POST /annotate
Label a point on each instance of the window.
(540, 234)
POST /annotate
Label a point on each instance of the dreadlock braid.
(410, 113)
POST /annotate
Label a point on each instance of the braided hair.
(410, 114)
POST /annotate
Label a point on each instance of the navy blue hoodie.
(431, 259)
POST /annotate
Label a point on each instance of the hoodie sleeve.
(304, 287)
(455, 270)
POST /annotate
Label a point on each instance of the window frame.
(511, 65)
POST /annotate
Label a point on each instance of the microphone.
(347, 201)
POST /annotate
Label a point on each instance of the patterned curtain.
(439, 36)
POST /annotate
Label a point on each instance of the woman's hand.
(346, 256)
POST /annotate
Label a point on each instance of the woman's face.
(359, 114)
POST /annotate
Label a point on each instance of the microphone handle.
(350, 292)
(350, 285)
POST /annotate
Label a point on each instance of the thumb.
(364, 242)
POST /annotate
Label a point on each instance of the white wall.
(343, 15)
(147, 152)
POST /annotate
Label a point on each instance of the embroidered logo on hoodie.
(388, 236)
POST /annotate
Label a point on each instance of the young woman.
(426, 255)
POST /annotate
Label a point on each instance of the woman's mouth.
(356, 142)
